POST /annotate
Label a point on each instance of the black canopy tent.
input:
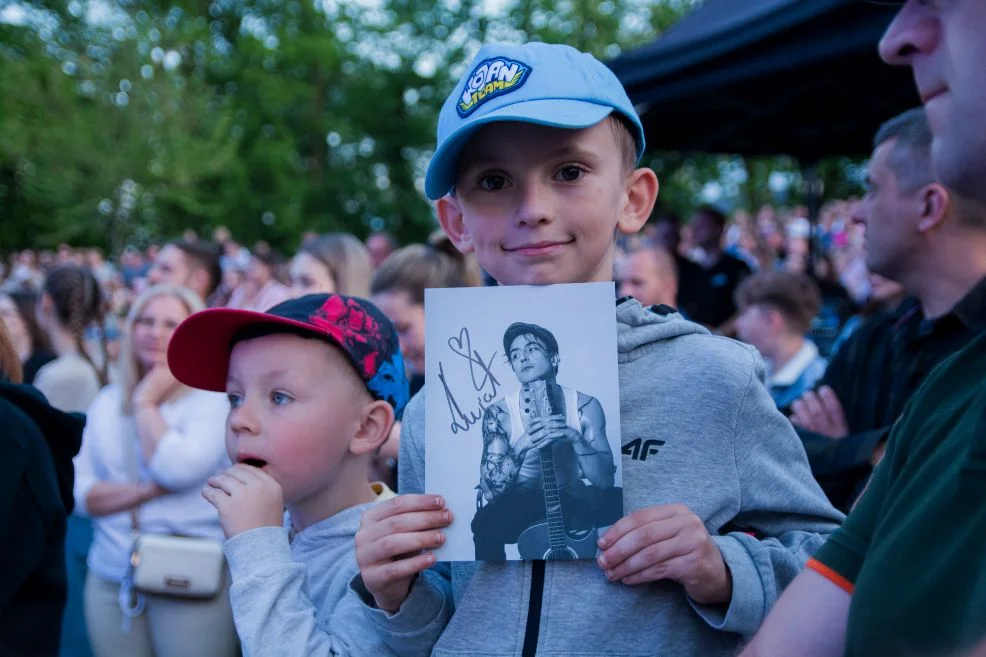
(768, 77)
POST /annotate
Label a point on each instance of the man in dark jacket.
(37, 443)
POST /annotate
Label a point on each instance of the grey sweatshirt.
(727, 454)
(290, 599)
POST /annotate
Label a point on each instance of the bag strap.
(132, 464)
(131, 601)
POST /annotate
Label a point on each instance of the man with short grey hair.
(933, 242)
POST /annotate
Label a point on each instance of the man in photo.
(541, 441)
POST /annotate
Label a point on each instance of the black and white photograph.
(523, 419)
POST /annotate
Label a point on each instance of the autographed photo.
(523, 419)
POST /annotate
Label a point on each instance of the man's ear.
(450, 217)
(374, 429)
(774, 319)
(641, 194)
(935, 203)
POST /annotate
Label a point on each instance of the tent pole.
(814, 192)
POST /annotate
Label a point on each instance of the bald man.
(648, 275)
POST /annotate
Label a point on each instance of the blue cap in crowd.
(546, 84)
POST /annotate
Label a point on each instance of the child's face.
(295, 405)
(542, 205)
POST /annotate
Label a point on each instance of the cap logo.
(491, 78)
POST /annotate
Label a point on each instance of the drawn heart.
(461, 345)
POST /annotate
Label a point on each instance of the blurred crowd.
(793, 288)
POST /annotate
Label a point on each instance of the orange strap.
(831, 576)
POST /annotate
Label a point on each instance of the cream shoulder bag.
(167, 564)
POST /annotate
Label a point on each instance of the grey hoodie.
(289, 599)
(722, 449)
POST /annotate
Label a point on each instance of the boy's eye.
(279, 398)
(571, 173)
(234, 399)
(492, 183)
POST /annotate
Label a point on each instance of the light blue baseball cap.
(546, 84)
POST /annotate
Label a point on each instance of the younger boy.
(776, 309)
(535, 174)
(314, 385)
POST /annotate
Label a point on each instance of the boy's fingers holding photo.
(402, 504)
(666, 542)
(396, 547)
(406, 523)
(393, 544)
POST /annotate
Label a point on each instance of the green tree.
(130, 121)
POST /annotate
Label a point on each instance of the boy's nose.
(242, 419)
(914, 30)
(533, 208)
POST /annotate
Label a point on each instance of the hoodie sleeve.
(783, 518)
(272, 611)
(189, 453)
(415, 628)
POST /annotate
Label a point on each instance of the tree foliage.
(124, 122)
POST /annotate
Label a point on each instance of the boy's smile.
(541, 205)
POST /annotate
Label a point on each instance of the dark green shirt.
(914, 548)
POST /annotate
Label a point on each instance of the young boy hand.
(666, 542)
(246, 498)
(393, 545)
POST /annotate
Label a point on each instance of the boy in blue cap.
(535, 173)
(314, 386)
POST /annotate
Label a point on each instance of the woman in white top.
(173, 439)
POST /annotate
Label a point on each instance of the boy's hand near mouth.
(246, 498)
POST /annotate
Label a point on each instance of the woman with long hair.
(398, 290)
(71, 301)
(149, 446)
(333, 263)
(17, 312)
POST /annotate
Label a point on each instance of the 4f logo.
(640, 449)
